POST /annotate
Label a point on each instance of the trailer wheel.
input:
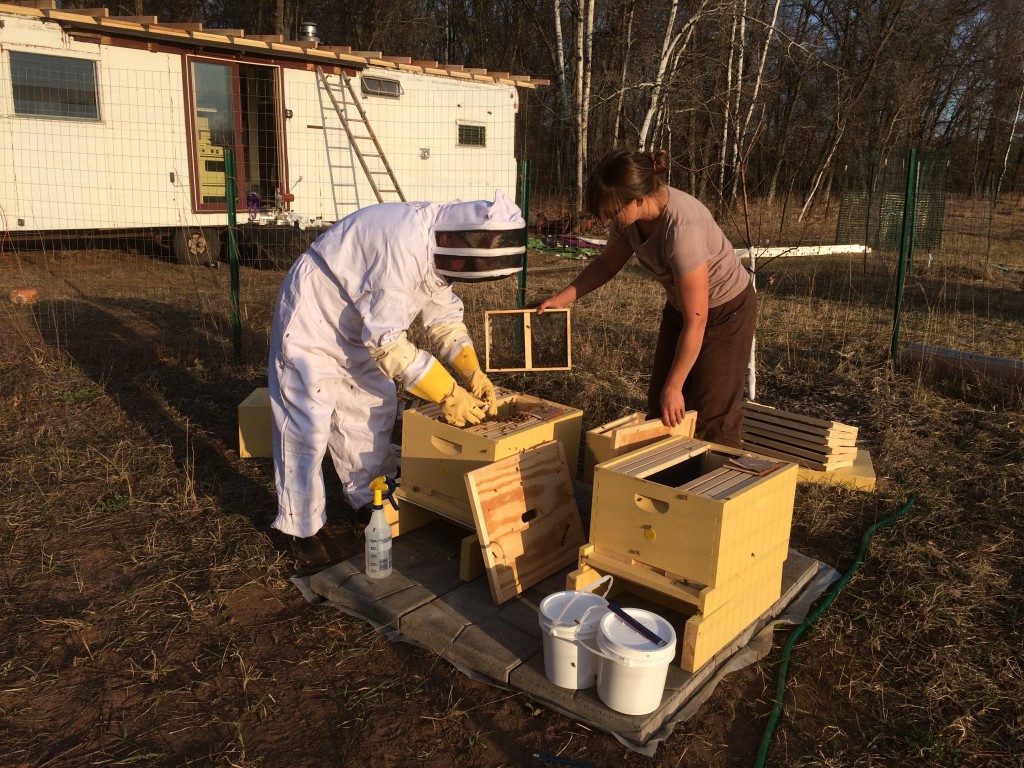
(196, 245)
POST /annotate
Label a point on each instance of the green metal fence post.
(906, 248)
(524, 206)
(231, 193)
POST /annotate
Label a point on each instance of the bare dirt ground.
(148, 617)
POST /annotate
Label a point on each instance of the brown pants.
(716, 383)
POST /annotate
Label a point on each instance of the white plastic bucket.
(632, 670)
(568, 623)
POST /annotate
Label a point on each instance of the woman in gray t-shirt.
(707, 325)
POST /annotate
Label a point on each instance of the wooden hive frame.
(528, 317)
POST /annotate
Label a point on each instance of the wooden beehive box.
(255, 425)
(704, 526)
(626, 434)
(436, 455)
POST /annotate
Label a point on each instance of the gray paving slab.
(429, 605)
(490, 650)
(381, 601)
(435, 626)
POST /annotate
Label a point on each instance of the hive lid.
(526, 518)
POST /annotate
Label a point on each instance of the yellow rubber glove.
(457, 406)
(476, 381)
(435, 385)
(461, 408)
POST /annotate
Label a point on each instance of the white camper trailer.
(124, 124)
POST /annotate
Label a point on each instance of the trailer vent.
(308, 31)
(472, 135)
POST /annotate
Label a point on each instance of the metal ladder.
(362, 144)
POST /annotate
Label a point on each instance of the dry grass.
(148, 617)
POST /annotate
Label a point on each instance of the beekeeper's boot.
(310, 550)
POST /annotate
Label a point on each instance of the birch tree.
(672, 46)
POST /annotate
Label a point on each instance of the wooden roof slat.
(336, 48)
(187, 26)
(136, 19)
(226, 32)
(399, 59)
(368, 54)
(268, 38)
(96, 13)
(42, 5)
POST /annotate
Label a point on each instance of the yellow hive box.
(255, 425)
(679, 506)
(704, 526)
(436, 455)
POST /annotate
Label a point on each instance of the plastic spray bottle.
(378, 533)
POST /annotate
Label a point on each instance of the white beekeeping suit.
(338, 342)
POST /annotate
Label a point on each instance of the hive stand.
(701, 527)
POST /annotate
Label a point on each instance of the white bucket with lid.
(632, 669)
(568, 623)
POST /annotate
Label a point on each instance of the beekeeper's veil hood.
(480, 240)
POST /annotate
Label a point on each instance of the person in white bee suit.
(339, 343)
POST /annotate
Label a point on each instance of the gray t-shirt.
(688, 236)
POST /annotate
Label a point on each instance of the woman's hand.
(673, 406)
(551, 302)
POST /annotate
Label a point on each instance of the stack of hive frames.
(436, 455)
(679, 520)
(811, 442)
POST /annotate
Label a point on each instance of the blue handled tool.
(654, 638)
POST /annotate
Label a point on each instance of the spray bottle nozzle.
(383, 487)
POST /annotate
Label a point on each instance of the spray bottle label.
(379, 554)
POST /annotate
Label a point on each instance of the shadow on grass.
(174, 375)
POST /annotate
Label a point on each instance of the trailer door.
(235, 106)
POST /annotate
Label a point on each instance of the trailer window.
(472, 135)
(379, 86)
(54, 86)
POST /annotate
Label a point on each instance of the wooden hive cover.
(526, 518)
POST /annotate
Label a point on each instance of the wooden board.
(787, 452)
(813, 443)
(788, 416)
(859, 476)
(791, 431)
(526, 518)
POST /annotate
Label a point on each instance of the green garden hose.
(780, 685)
